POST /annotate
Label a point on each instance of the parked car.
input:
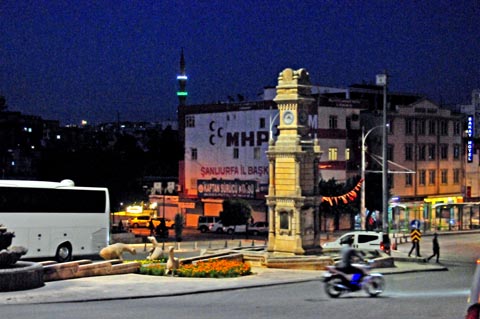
(254, 229)
(234, 228)
(139, 221)
(258, 228)
(204, 222)
(216, 227)
(367, 240)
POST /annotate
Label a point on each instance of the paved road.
(414, 295)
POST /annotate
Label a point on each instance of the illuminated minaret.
(182, 82)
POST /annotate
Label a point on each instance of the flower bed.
(218, 268)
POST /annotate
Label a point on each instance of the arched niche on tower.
(285, 221)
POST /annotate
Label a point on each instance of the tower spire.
(182, 82)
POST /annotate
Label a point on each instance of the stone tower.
(293, 200)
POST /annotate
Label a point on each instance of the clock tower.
(293, 200)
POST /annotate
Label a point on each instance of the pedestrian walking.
(436, 248)
(415, 245)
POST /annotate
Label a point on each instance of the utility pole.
(362, 174)
(382, 80)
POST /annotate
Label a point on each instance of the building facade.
(426, 164)
(224, 153)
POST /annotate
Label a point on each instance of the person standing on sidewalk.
(436, 248)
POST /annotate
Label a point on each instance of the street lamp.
(362, 190)
(382, 81)
(272, 121)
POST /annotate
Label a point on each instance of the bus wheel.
(64, 253)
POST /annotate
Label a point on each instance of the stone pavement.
(132, 286)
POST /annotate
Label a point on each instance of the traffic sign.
(415, 235)
(415, 224)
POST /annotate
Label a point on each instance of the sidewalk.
(131, 286)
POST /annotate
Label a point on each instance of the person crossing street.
(436, 248)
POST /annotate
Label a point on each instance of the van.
(367, 240)
(204, 222)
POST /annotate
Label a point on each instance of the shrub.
(154, 269)
(219, 268)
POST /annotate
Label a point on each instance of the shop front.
(435, 213)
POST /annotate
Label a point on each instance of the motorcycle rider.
(348, 254)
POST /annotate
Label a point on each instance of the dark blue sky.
(74, 60)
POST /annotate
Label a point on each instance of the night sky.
(92, 60)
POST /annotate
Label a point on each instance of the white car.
(368, 240)
(204, 222)
(255, 228)
(236, 229)
(258, 228)
(216, 227)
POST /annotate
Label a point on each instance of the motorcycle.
(338, 282)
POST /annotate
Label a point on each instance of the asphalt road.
(415, 295)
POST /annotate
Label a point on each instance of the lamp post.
(382, 81)
(362, 190)
(272, 121)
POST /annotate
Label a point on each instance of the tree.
(235, 212)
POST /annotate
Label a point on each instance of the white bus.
(55, 219)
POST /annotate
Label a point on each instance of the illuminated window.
(194, 154)
(332, 154)
(444, 176)
(347, 154)
(189, 121)
(332, 122)
(235, 153)
(256, 153)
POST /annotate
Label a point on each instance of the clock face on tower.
(288, 117)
